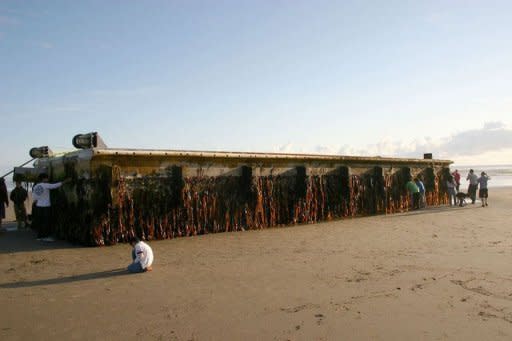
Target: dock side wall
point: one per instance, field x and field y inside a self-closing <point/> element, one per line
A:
<point x="114" y="197"/>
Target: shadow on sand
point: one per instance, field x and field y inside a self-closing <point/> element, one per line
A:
<point x="432" y="210"/>
<point x="68" y="279"/>
<point x="13" y="241"/>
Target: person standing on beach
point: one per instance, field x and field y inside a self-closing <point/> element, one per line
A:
<point x="473" y="185"/>
<point x="421" y="187"/>
<point x="4" y="199"/>
<point x="456" y="177"/>
<point x="452" y="194"/>
<point x="142" y="256"/>
<point x="414" y="193"/>
<point x="41" y="197"/>
<point x="18" y="197"/>
<point x="483" y="193"/>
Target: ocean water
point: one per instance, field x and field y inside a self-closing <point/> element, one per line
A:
<point x="500" y="175"/>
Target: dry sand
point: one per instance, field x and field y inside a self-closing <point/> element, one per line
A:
<point x="440" y="273"/>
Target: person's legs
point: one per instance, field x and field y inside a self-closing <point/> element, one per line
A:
<point x="416" y="197"/>
<point x="21" y="215"/>
<point x="34" y="218"/>
<point x="23" y="212"/>
<point x="2" y="213"/>
<point x="472" y="193"/>
<point x="43" y="222"/>
<point x="135" y="268"/>
<point x="17" y="215"/>
<point x="451" y="196"/>
<point x="46" y="222"/>
<point x="50" y="229"/>
<point x="39" y="222"/>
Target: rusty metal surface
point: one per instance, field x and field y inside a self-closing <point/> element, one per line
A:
<point x="262" y="156"/>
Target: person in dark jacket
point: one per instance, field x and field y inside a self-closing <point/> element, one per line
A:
<point x="18" y="197"/>
<point x="4" y="199"/>
<point x="473" y="185"/>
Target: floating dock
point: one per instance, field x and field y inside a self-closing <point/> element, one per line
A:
<point x="159" y="194"/>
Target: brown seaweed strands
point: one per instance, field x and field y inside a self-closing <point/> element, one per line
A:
<point x="163" y="206"/>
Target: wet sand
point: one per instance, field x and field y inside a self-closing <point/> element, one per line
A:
<point x="439" y="273"/>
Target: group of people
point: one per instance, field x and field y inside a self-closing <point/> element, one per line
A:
<point x="416" y="190"/>
<point x="454" y="193"/>
<point x="18" y="196"/>
<point x="41" y="206"/>
<point x="142" y="254"/>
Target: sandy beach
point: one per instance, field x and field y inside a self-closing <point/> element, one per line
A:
<point x="436" y="274"/>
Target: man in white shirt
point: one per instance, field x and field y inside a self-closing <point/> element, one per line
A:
<point x="43" y="206"/>
<point x="142" y="256"/>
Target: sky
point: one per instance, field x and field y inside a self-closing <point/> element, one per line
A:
<point x="388" y="78"/>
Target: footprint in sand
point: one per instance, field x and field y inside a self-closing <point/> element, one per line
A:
<point x="320" y="318"/>
<point x="299" y="308"/>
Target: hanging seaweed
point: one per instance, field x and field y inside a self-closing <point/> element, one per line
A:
<point x="111" y="207"/>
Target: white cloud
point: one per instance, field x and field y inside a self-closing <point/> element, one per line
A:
<point x="325" y="150"/>
<point x="289" y="148"/>
<point x="494" y="136"/>
<point x="494" y="125"/>
<point x="487" y="143"/>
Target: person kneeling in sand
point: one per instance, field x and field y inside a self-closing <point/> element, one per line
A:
<point x="142" y="256"/>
